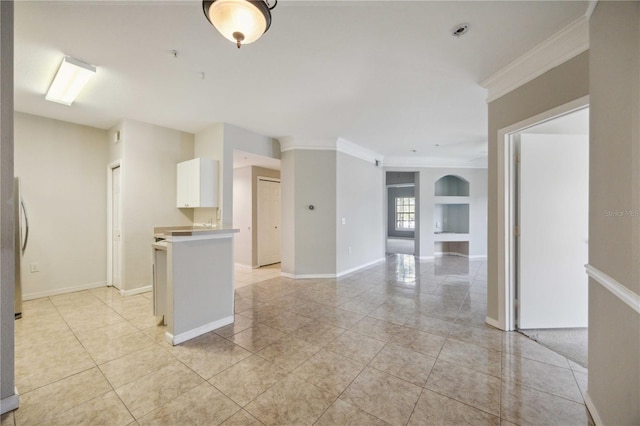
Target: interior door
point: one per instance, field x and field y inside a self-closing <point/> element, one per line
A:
<point x="116" y="220"/>
<point x="268" y="222"/>
<point x="553" y="221"/>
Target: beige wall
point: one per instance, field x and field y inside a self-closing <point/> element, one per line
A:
<point x="218" y="142"/>
<point x="288" y="212"/>
<point x="62" y="168"/>
<point x="563" y="84"/>
<point x="243" y="215"/>
<point x="309" y="236"/>
<point x="150" y="154"/>
<point x="614" y="240"/>
<point x="209" y="143"/>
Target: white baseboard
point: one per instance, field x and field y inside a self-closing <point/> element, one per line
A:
<point x="243" y="266"/>
<point x="198" y="331"/>
<point x="449" y="253"/>
<point x="358" y="268"/>
<point x="492" y="322"/>
<point x="135" y="291"/>
<point x="10" y="403"/>
<point x="337" y="275"/>
<point x="64" y="290"/>
<point x="427" y="258"/>
<point x="592" y="409"/>
<point x="478" y="257"/>
<point x="306" y="276"/>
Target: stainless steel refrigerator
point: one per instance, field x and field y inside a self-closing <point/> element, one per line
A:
<point x="21" y="239"/>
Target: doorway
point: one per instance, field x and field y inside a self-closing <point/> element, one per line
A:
<point x="268" y="212"/>
<point x="114" y="225"/>
<point x="402" y="213"/>
<point x="548" y="163"/>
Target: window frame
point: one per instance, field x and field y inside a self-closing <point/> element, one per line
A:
<point x="411" y="205"/>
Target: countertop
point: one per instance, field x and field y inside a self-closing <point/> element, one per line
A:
<point x="188" y="231"/>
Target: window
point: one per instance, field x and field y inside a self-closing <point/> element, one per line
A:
<point x="405" y="213"/>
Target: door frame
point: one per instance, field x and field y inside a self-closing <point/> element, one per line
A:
<point x="110" y="167"/>
<point x="267" y="179"/>
<point x="506" y="152"/>
<point x="385" y="214"/>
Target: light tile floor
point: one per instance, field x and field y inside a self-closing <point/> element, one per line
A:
<point x="398" y="343"/>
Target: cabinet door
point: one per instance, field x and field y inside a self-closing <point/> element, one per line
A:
<point x="197" y="183"/>
<point x="182" y="195"/>
<point x="193" y="183"/>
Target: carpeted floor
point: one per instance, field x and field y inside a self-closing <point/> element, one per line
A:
<point x="570" y="342"/>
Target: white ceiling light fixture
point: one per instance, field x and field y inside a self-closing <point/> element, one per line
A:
<point x="239" y="21"/>
<point x="71" y="77"/>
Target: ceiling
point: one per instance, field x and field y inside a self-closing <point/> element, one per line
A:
<point x="386" y="75"/>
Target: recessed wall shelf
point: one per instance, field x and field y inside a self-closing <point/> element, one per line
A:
<point x="451" y="216"/>
<point x="451" y="186"/>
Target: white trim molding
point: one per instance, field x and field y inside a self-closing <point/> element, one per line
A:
<point x="65" y="290"/>
<point x="306" y="276"/>
<point x="341" y="145"/>
<point x="357" y="151"/>
<point x="308" y="148"/>
<point x="360" y="267"/>
<point x="621" y="292"/>
<point x="10" y="403"/>
<point x="435" y="162"/>
<point x="567" y="43"/>
<point x="135" y="291"/>
<point x="198" y="331"/>
<point x="592" y="409"/>
<point x="492" y="322"/>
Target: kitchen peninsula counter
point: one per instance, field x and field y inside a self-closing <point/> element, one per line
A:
<point x="199" y="280"/>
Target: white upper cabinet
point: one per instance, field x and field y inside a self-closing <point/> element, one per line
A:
<point x="197" y="183"/>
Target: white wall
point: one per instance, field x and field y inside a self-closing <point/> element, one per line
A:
<point x="427" y="177"/>
<point x="63" y="176"/>
<point x="150" y="154"/>
<point x="360" y="201"/>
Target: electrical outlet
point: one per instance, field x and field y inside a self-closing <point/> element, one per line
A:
<point x="34" y="267"/>
<point x="349" y="249"/>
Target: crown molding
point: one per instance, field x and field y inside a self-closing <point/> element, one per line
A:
<point x="435" y="162"/>
<point x="557" y="49"/>
<point x="307" y="148"/>
<point x="341" y="145"/>
<point x="357" y="151"/>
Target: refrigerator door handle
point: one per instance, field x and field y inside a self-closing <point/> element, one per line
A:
<point x="26" y="225"/>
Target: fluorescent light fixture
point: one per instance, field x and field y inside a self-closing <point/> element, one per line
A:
<point x="69" y="81"/>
